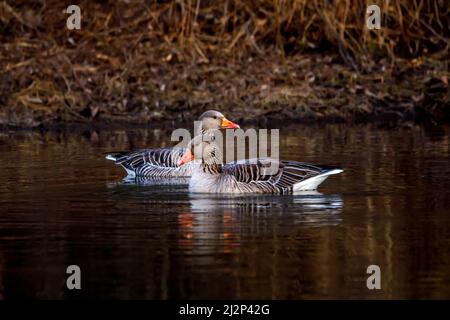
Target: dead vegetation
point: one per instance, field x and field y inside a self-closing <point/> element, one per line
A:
<point x="148" y="61"/>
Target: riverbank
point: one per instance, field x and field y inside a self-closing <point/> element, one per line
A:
<point x="133" y="65"/>
<point x="322" y="89"/>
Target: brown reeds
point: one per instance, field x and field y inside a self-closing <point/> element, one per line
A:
<point x="137" y="61"/>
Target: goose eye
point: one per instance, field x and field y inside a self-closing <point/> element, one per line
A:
<point x="215" y="117"/>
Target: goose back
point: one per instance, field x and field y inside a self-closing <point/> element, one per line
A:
<point x="153" y="162"/>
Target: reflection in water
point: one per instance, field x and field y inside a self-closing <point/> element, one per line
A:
<point x="62" y="203"/>
<point x="154" y="181"/>
<point x="216" y="221"/>
<point x="311" y="207"/>
<point x="141" y="181"/>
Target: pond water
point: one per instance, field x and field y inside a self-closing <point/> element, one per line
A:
<point x="62" y="203"/>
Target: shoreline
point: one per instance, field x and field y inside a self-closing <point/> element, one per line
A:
<point x="263" y="123"/>
<point x="322" y="90"/>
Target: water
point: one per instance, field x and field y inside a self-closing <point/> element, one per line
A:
<point x="61" y="203"/>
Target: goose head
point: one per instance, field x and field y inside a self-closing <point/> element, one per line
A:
<point x="203" y="148"/>
<point x="214" y="120"/>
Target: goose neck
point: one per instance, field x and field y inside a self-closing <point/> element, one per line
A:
<point x="214" y="169"/>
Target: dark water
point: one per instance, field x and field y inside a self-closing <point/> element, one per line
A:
<point x="61" y="203"/>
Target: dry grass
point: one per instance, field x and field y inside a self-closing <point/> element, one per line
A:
<point x="138" y="61"/>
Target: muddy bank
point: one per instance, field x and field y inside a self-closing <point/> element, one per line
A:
<point x="322" y="89"/>
<point x="157" y="65"/>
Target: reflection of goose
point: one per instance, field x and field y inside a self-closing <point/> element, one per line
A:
<point x="165" y="162"/>
<point x="310" y="208"/>
<point x="135" y="187"/>
<point x="259" y="175"/>
<point x="230" y="233"/>
<point x="144" y="181"/>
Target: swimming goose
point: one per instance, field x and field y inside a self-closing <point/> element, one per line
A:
<point x="164" y="162"/>
<point x="259" y="175"/>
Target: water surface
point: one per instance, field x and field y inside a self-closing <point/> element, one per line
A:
<point x="61" y="203"/>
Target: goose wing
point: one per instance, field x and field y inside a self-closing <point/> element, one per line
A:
<point x="266" y="174"/>
<point x="151" y="162"/>
<point x="165" y="157"/>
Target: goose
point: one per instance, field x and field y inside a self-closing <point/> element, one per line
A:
<point x="165" y="162"/>
<point x="258" y="175"/>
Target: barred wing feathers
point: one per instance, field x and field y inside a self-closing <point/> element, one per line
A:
<point x="153" y="162"/>
<point x="265" y="175"/>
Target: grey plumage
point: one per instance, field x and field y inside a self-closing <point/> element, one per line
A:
<point x="265" y="175"/>
<point x="153" y="162"/>
<point x="164" y="162"/>
<point x="259" y="175"/>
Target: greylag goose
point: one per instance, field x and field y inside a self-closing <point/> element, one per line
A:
<point x="164" y="162"/>
<point x="259" y="175"/>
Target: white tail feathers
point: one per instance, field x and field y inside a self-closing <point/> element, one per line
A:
<point x="314" y="182"/>
<point x="111" y="157"/>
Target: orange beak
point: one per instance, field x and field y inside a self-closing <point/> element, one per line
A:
<point x="187" y="157"/>
<point x="227" y="124"/>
